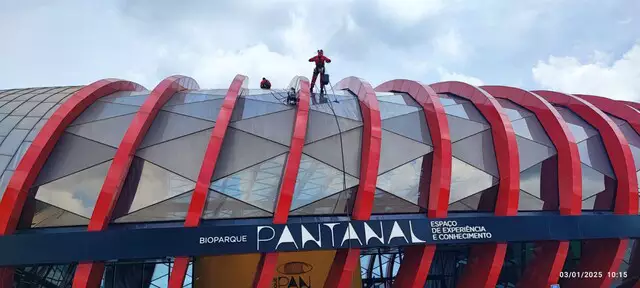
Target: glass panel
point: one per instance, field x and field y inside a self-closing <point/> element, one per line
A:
<point x="169" y="210"/>
<point x="390" y="110"/>
<point x="189" y="97"/>
<point x="41" y="109"/>
<point x="466" y="180"/>
<point x="108" y="131"/>
<point x="257" y="185"/>
<point x="16" y="158"/>
<point x="483" y="201"/>
<point x="593" y="153"/>
<point x="157" y="184"/>
<point x="448" y="99"/>
<point x="387" y="203"/>
<point x="167" y="126"/>
<point x="12" y="141"/>
<point x="398" y="98"/>
<point x="124" y="94"/>
<point x="4" y="162"/>
<point x="336" y="204"/>
<point x="412" y="125"/>
<point x="130" y="100"/>
<point x="51" y="111"/>
<point x="273" y="97"/>
<point x="478" y="151"/>
<point x="7" y="124"/>
<point x="616" y="120"/>
<point x="397" y="150"/>
<point x="514" y="111"/>
<point x="28" y="123"/>
<point x="103" y="110"/>
<point x="9" y="107"/>
<point x="345" y="108"/>
<point x="634" y="142"/>
<point x="531" y="129"/>
<point x="592" y="182"/>
<point x="460" y="128"/>
<point x="4" y="181"/>
<point x="76" y="193"/>
<point x="24" y="108"/>
<point x="322" y="125"/>
<point x="466" y="111"/>
<point x="527" y="202"/>
<point x="246" y="108"/>
<point x="277" y="127"/>
<point x="405" y="180"/>
<point x="207" y="110"/>
<point x="580" y="129"/>
<point x="219" y="206"/>
<point x="317" y="180"/>
<point x="34" y="132"/>
<point x="47" y="215"/>
<point x="531" y="153"/>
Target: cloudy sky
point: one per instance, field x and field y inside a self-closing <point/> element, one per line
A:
<point x="575" y="46"/>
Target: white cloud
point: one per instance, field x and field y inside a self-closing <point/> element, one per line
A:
<point x="453" y="76"/>
<point x="409" y="12"/>
<point x="450" y="45"/>
<point x="618" y="80"/>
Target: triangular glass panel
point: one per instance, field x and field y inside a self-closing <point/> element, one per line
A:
<point x="478" y="151"/>
<point x="322" y="125"/>
<point x="459" y="207"/>
<point x="580" y="129"/>
<point x="593" y="153"/>
<point x="277" y="127"/>
<point x="108" y="131"/>
<point x="128" y="100"/>
<point x="397" y="150"/>
<point x="531" y="129"/>
<point x="190" y="97"/>
<point x="246" y="109"/>
<point x="387" y="203"/>
<point x="592" y="182"/>
<point x="598" y="202"/>
<point x="220" y="206"/>
<point x="257" y="185"/>
<point x="528" y="202"/>
<point x="47" y="215"/>
<point x="412" y="125"/>
<point x="268" y="97"/>
<point x="76" y="193"/>
<point x="241" y="150"/>
<point x="467" y="180"/>
<point x="337" y="204"/>
<point x="617" y="120"/>
<point x="483" y="201"/>
<point x="182" y="156"/>
<point x="404" y="181"/>
<point x="123" y="94"/>
<point x="390" y="110"/>
<point x="460" y="128"/>
<point x="514" y="111"/>
<point x="317" y="180"/>
<point x="331" y="150"/>
<point x="207" y="110"/>
<point x="167" y="126"/>
<point x="103" y="110"/>
<point x="343" y="108"/>
<point x="397" y="98"/>
<point x="72" y="154"/>
<point x="531" y="181"/>
<point x="531" y="153"/>
<point x="466" y="111"/>
<point x="450" y="99"/>
<point x="634" y="142"/>
<point x="169" y="210"/>
<point x="155" y="185"/>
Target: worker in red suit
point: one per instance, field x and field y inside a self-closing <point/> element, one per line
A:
<point x="319" y="59"/>
<point x="265" y="84"/>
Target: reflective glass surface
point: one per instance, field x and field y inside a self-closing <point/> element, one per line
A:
<point x="9" y="107"/>
<point x="169" y="210"/>
<point x="28" y="123"/>
<point x="592" y="182"/>
<point x="18" y="156"/>
<point x="41" y="109"/>
<point x="580" y="129"/>
<point x="246" y="108"/>
<point x="102" y="110"/>
<point x="189" y="97"/>
<point x="531" y="152"/>
<point x="76" y="193"/>
<point x="51" y="111"/>
<point x="387" y="203"/>
<point x="4" y="181"/>
<point x="24" y="109"/>
<point x="397" y="150"/>
<point x="513" y="110"/>
<point x="466" y="180"/>
<point x="616" y="120"/>
<point x="530" y="180"/>
<point x="220" y="206"/>
<point x="272" y="97"/>
<point x="478" y="151"/>
<point x="12" y="141"/>
<point x="344" y="108"/>
<point x="527" y="202"/>
<point x="398" y="98"/>
<point x="336" y="204"/>
<point x="448" y="99"/>
<point x="404" y="181"/>
<point x="157" y="184"/>
<point x="7" y="124"/>
<point x="482" y="201"/>
<point x="531" y="129"/>
<point x="593" y="153"/>
<point x="47" y="215"/>
<point x="466" y="111"/>
<point x="413" y="125"/>
<point x="389" y="110"/>
<point x="317" y="180"/>
<point x="257" y="185"/>
<point x="207" y="110"/>
<point x="128" y="100"/>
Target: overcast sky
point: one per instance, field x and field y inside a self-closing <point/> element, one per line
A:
<point x="575" y="46"/>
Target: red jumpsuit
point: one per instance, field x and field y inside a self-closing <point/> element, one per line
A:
<point x="319" y="59"/>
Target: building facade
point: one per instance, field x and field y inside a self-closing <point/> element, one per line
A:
<point x="400" y="185"/>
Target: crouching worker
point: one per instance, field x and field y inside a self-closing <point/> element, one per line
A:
<point x="265" y="84"/>
<point x="292" y="97"/>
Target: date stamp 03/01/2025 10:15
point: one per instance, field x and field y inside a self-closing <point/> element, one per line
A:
<point x="591" y="274"/>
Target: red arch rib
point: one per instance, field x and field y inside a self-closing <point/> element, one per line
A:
<point x="90" y="274"/>
<point x="268" y="261"/>
<point x="604" y="255"/>
<point x="485" y="260"/>
<point x="37" y="154"/>
<point x="547" y="265"/>
<point x="417" y="259"/>
<point x="199" y="197"/>
<point x="346" y="260"/>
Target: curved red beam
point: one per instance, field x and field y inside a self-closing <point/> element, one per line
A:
<point x="417" y="259"/>
<point x="604" y="255"/>
<point x="547" y="264"/>
<point x="345" y="263"/>
<point x="268" y="261"/>
<point x="199" y="196"/>
<point x="485" y="260"/>
<point x="37" y="154"/>
<point x="90" y="274"/>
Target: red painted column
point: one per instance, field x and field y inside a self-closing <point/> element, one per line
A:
<point x="485" y="260"/>
<point x="545" y="268"/>
<point x="199" y="197"/>
<point x="346" y="261"/>
<point x="603" y="255"/>
<point x="415" y="266"/>
<point x="90" y="274"/>
<point x="267" y="265"/>
<point x="29" y="167"/>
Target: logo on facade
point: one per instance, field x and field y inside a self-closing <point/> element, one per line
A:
<point x="293" y="275"/>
